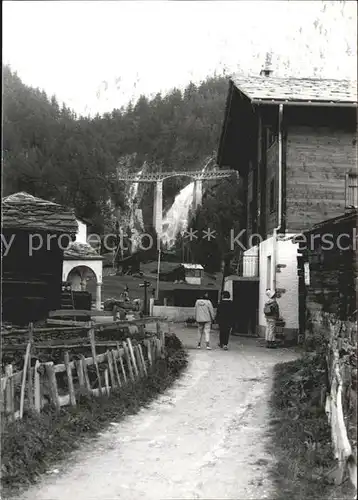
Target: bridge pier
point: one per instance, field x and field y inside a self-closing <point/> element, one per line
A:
<point x="158" y="208"/>
<point x="198" y="194"/>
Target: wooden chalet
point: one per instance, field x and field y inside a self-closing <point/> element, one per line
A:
<point x="294" y="143"/>
<point x="35" y="233"/>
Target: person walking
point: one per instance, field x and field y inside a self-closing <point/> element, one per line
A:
<point x="204" y="316"/>
<point x="225" y="319"/>
<point x="271" y="312"/>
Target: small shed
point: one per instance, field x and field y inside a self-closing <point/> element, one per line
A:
<point x="35" y="234"/>
<point x="81" y="263"/>
<point x="193" y="273"/>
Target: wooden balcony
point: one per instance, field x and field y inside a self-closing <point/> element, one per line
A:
<point x="248" y="266"/>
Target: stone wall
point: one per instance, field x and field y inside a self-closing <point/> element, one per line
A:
<point x="173" y="313"/>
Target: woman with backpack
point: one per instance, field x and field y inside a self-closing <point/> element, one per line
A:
<point x="271" y="312"/>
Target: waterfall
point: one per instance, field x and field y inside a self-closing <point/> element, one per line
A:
<point x="175" y="220"/>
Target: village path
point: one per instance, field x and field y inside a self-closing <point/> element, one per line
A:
<point x="204" y="438"/>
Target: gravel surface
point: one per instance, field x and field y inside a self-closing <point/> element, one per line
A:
<point x="204" y="438"/>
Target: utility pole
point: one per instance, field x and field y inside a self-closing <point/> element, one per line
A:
<point x="145" y="285"/>
<point x="158" y="273"/>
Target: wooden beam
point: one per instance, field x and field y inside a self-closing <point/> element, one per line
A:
<point x="37" y="387"/>
<point x="85" y="372"/>
<point x="93" y="349"/>
<point x="129" y="361"/>
<point x="51" y="376"/>
<point x="9" y="393"/>
<point x="71" y="388"/>
<point x="121" y="352"/>
<point x="23" y="383"/>
<point x="130" y="347"/>
<point x="142" y="359"/>
<point x="111" y="369"/>
<point x="119" y="383"/>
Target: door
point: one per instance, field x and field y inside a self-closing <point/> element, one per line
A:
<point x="246" y="302"/>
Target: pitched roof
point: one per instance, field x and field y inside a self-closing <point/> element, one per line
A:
<point x="81" y="251"/>
<point x="349" y="218"/>
<point x="192" y="266"/>
<point x="297" y="90"/>
<point x="24" y="211"/>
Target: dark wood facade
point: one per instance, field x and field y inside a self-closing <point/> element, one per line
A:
<point x="319" y="150"/>
<point x="36" y="233"/>
<point x="331" y="270"/>
<point x="31" y="284"/>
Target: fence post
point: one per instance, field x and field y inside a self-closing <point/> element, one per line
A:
<point x="106" y="381"/>
<point x="24" y="376"/>
<point x="80" y="375"/>
<point x="129" y="342"/>
<point x="116" y="367"/>
<point x="122" y="365"/>
<point x="142" y="359"/>
<point x="110" y="367"/>
<point x="71" y="388"/>
<point x="91" y="336"/>
<point x="149" y="355"/>
<point x="138" y="360"/>
<point x="129" y="361"/>
<point x="30" y="386"/>
<point x="85" y="373"/>
<point x="37" y="387"/>
<point x="9" y="393"/>
<point x="51" y="375"/>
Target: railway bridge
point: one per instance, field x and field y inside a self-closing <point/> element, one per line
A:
<point x="158" y="177"/>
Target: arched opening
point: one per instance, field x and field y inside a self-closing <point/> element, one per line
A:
<point x="79" y="276"/>
<point x="85" y="277"/>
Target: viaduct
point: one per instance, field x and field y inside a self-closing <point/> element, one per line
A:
<point x="159" y="177"/>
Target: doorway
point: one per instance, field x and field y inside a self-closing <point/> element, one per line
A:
<point x="246" y="301"/>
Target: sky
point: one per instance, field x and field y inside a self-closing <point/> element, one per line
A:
<point x="96" y="56"/>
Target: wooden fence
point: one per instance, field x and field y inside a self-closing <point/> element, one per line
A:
<point x="38" y="384"/>
<point x="342" y="397"/>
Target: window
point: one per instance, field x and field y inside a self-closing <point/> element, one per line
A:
<point x="268" y="272"/>
<point x="272" y="196"/>
<point x="351" y="190"/>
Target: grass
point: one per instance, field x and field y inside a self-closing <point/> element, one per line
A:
<point x="300" y="433"/>
<point x="113" y="286"/>
<point x="30" y="446"/>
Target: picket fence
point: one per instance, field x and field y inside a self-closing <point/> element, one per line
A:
<point x="35" y="386"/>
<point x="339" y="374"/>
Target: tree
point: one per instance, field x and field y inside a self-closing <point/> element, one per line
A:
<point x="221" y="212"/>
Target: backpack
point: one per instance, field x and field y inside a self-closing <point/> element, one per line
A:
<point x="269" y="309"/>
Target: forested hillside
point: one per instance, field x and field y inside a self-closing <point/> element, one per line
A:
<point x="50" y="152"/>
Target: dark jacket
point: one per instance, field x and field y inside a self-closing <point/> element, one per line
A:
<point x="225" y="313"/>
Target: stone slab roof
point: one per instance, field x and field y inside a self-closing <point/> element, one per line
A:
<point x="24" y="211"/>
<point x="297" y="90"/>
<point x="81" y="251"/>
<point x="350" y="218"/>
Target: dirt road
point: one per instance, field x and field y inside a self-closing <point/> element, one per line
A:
<point x="204" y="438"/>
